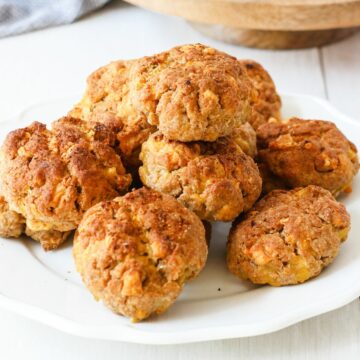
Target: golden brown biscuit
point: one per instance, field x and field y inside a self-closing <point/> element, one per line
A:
<point x="308" y="152"/>
<point x="191" y="92"/>
<point x="51" y="177"/>
<point x="265" y="101"/>
<point x="107" y="100"/>
<point x="245" y="137"/>
<point x="12" y="224"/>
<point x="136" y="252"/>
<point x="215" y="180"/>
<point x="288" y="237"/>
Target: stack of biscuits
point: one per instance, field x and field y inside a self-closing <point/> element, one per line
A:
<point x="198" y="137"/>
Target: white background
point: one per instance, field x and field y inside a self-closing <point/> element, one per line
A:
<point x="54" y="63"/>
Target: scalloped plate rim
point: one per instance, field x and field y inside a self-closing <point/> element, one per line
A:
<point x="134" y="335"/>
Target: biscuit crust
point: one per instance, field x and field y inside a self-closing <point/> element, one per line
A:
<point x="245" y="137"/>
<point x="12" y="224"/>
<point x="136" y="252"/>
<point x="190" y="92"/>
<point x="270" y="181"/>
<point x="107" y="100"/>
<point x="288" y="237"/>
<point x="215" y="180"/>
<point x="308" y="152"/>
<point x="265" y="102"/>
<point x="51" y="177"/>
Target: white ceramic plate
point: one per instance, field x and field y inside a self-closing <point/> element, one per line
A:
<point x="45" y="287"/>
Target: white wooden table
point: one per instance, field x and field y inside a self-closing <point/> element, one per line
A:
<point x="54" y="63"/>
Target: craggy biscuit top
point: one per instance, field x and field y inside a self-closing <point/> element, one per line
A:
<point x="191" y="92"/>
<point x="106" y="100"/>
<point x="265" y="102"/>
<point x="304" y="152"/>
<point x="288" y="237"/>
<point x="216" y="180"/>
<point x="52" y="176"/>
<point x="106" y="88"/>
<point x="135" y="252"/>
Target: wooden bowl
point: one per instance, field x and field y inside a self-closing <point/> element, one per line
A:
<point x="280" y="24"/>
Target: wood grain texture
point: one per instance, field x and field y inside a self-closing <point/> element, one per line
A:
<point x="263" y="14"/>
<point x="273" y="39"/>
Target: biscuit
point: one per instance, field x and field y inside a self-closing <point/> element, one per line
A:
<point x="12" y="224"/>
<point x="308" y="152"/>
<point x="265" y="102"/>
<point x="51" y="177"/>
<point x="190" y="93"/>
<point x="107" y="100"/>
<point x="215" y="180"/>
<point x="288" y="237"/>
<point x="136" y="252"/>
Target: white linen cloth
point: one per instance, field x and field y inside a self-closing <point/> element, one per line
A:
<point x="18" y="16"/>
